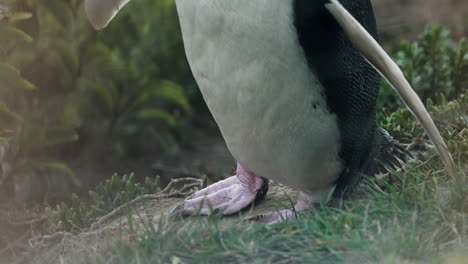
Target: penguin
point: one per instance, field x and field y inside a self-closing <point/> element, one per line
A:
<point x="292" y="85"/>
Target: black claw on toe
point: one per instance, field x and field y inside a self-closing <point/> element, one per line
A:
<point x="263" y="191"/>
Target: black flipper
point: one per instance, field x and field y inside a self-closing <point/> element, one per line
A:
<point x="351" y="86"/>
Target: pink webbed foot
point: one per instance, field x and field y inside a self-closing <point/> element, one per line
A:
<point x="228" y="196"/>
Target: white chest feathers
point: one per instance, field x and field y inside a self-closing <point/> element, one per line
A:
<point x="254" y="76"/>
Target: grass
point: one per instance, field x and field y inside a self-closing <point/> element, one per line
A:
<point x="407" y="220"/>
<point x="417" y="215"/>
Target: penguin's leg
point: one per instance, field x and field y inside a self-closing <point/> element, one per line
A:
<point x="227" y="196"/>
<point x="305" y="204"/>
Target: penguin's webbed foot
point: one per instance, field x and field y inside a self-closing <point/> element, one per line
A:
<point x="228" y="196"/>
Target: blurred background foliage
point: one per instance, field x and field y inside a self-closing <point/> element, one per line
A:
<point x="142" y="97"/>
<point x="69" y="93"/>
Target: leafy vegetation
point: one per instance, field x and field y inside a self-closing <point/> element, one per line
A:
<point x="450" y="115"/>
<point x="65" y="87"/>
<point x="143" y="97"/>
<point x="434" y="65"/>
<point x="107" y="196"/>
<point x="35" y="113"/>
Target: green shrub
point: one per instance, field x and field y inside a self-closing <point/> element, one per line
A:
<point x="451" y="118"/>
<point x="434" y="64"/>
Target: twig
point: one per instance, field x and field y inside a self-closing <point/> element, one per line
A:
<point x="192" y="184"/>
<point x="179" y="180"/>
<point x="28" y="222"/>
<point x="424" y="163"/>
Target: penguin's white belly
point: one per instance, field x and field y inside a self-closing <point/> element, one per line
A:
<point x="254" y="76"/>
